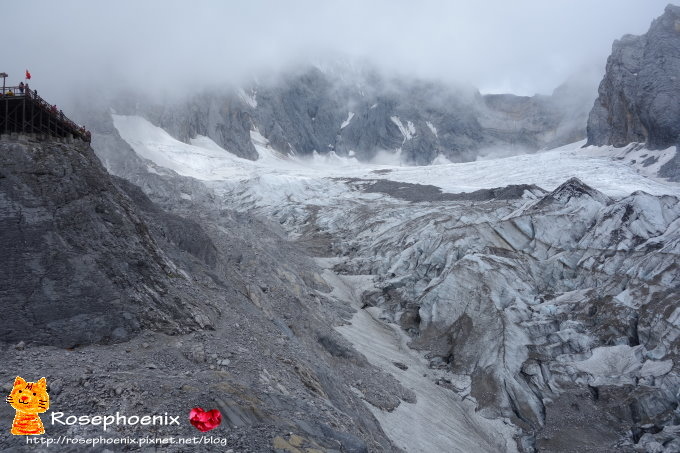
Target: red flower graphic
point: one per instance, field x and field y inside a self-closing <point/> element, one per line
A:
<point x="205" y="421"/>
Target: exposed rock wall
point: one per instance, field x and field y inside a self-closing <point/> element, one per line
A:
<point x="639" y="97"/>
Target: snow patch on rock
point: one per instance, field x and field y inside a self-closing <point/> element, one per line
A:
<point x="407" y="131"/>
<point x="345" y="123"/>
<point x="432" y="128"/>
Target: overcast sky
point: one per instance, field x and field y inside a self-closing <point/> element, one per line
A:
<point x="521" y="46"/>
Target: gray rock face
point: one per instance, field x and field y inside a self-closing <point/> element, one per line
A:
<point x="639" y="97"/>
<point x="81" y="266"/>
<point x="363" y="115"/>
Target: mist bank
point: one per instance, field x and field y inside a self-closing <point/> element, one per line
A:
<point x="356" y="111"/>
<point x="524" y="47"/>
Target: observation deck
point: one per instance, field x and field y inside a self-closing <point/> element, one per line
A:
<point x="23" y="111"/>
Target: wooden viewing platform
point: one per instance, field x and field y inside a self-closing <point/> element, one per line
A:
<point x="23" y="111"/>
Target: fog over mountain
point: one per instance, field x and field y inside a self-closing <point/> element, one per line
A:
<point x="522" y="47"/>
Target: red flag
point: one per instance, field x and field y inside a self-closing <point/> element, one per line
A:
<point x="28" y="75"/>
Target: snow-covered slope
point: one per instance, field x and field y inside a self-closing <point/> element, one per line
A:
<point x="600" y="167"/>
<point x="550" y="303"/>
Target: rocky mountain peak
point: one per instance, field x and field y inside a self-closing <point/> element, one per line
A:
<point x="570" y="190"/>
<point x="639" y="97"/>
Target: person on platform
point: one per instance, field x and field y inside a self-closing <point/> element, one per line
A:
<point x="21" y="88"/>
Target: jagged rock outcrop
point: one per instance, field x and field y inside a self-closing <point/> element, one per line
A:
<point x="639" y="97"/>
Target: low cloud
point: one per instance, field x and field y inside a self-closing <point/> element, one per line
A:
<point x="525" y="46"/>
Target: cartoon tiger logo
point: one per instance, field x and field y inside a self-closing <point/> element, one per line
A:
<point x="29" y="399"/>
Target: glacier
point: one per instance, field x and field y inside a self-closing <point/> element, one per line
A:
<point x="518" y="292"/>
<point x="600" y="167"/>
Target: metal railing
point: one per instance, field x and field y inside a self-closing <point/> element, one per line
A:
<point x="38" y="110"/>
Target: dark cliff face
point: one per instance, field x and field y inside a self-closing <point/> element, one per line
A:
<point x="639" y="97"/>
<point x="79" y="263"/>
